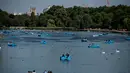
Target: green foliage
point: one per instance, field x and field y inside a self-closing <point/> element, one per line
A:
<point x="114" y="17"/>
<point x="51" y="23"/>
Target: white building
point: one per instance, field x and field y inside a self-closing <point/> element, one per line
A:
<point x="17" y="13"/>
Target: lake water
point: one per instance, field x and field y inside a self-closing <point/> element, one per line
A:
<point x="30" y="54"/>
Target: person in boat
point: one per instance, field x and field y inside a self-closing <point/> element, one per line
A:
<point x="9" y="42"/>
<point x="29" y="71"/>
<point x="67" y="55"/>
<point x="92" y="43"/>
<point x="39" y="35"/>
<point x="34" y="71"/>
<point x="45" y="71"/>
<point x="49" y="71"/>
<point x="62" y="56"/>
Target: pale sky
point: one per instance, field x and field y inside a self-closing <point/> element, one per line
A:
<point x="23" y="5"/>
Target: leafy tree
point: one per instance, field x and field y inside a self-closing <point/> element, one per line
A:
<point x="127" y="23"/>
<point x="11" y="16"/>
<point x="51" y="23"/>
<point x="116" y="17"/>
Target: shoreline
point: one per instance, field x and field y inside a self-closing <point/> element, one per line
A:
<point x="51" y="29"/>
<point x="106" y="30"/>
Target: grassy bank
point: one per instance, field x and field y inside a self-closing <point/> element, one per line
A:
<point x="67" y="29"/>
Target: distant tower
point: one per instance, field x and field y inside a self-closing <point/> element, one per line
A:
<point x="85" y="5"/>
<point x="108" y="4"/>
<point x="33" y="9"/>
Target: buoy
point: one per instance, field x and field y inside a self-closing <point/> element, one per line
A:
<point x="0" y="48"/>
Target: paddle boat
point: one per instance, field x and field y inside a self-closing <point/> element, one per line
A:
<point x="84" y="40"/>
<point x="69" y="33"/>
<point x="43" y="42"/>
<point x="93" y="46"/>
<point x="109" y="42"/>
<point x="6" y="32"/>
<point x="128" y="38"/>
<point x="95" y="35"/>
<point x="100" y="34"/>
<point x="39" y="35"/>
<point x="11" y="44"/>
<point x="65" y="58"/>
<point x="105" y="33"/>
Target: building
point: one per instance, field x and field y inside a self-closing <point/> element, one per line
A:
<point x="17" y="13"/>
<point x="33" y="9"/>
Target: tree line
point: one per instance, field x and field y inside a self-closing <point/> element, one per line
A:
<point x="114" y="17"/>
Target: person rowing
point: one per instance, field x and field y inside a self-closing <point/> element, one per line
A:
<point x="62" y="57"/>
<point x="67" y="55"/>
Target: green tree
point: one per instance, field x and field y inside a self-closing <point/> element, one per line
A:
<point x="33" y="19"/>
<point x="127" y="23"/>
<point x="87" y="21"/>
<point x="51" y="23"/>
<point x="11" y="16"/>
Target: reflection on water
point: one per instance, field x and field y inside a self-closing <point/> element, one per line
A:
<point x="30" y="54"/>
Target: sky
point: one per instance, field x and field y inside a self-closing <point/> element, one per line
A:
<point x="22" y="6"/>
